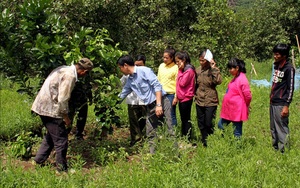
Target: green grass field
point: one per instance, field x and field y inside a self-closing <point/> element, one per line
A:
<point x="109" y="162"/>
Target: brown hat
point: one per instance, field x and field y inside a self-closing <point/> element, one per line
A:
<point x="86" y="64"/>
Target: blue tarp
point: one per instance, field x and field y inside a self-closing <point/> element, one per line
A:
<point x="265" y="83"/>
<point x="297" y="80"/>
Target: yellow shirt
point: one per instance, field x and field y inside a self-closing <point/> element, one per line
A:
<point x="167" y="75"/>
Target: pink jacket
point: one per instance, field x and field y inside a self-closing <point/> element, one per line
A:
<point x="185" y="85"/>
<point x="236" y="101"/>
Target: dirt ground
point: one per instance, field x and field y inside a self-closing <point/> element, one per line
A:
<point x="119" y="138"/>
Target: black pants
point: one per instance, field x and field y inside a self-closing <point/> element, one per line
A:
<point x="185" y="116"/>
<point x="81" y="116"/>
<point x="56" y="137"/>
<point x="137" y="120"/>
<point x="205" y="118"/>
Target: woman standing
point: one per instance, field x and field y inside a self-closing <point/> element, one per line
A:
<point x="206" y="97"/>
<point x="185" y="87"/>
<point x="236" y="101"/>
<point x="167" y="74"/>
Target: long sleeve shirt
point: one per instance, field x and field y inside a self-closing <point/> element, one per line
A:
<point x="207" y="81"/>
<point x="132" y="98"/>
<point x="144" y="83"/>
<point x="52" y="99"/>
<point x="167" y="75"/>
<point x="185" y="85"/>
<point x="236" y="101"/>
<point x="283" y="84"/>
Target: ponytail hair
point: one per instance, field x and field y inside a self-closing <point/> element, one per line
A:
<point x="171" y="51"/>
<point x="184" y="56"/>
<point x="235" y="62"/>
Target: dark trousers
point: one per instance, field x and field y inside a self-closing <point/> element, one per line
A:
<point x="56" y="137"/>
<point x="185" y="116"/>
<point x="137" y="120"/>
<point x="81" y="117"/>
<point x="205" y="119"/>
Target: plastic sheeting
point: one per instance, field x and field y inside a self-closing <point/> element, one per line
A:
<point x="263" y="83"/>
<point x="266" y="83"/>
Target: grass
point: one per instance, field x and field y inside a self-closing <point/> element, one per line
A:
<point x="226" y="162"/>
<point x="15" y="111"/>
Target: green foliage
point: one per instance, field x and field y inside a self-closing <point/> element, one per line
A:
<point x="217" y="30"/>
<point x="38" y="35"/>
<point x="77" y="162"/>
<point x="106" y="105"/>
<point x="226" y="162"/>
<point x="39" y="42"/>
<point x="22" y="147"/>
<point x="15" y="111"/>
<point x="34" y="44"/>
<point x="146" y="27"/>
<point x="289" y="17"/>
<point x="262" y="35"/>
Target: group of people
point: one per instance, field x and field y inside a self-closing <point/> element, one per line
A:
<point x="152" y="99"/>
<point x="179" y="82"/>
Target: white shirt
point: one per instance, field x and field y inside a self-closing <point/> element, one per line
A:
<point x="52" y="99"/>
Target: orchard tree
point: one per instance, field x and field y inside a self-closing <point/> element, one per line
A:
<point x="288" y="12"/>
<point x="263" y="29"/>
<point x="216" y="29"/>
<point x="37" y="41"/>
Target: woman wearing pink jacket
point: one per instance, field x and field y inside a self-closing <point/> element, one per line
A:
<point x="236" y="101"/>
<point x="185" y="88"/>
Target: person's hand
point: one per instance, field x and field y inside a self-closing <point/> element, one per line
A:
<point x="159" y="111"/>
<point x="119" y="101"/>
<point x="181" y="66"/>
<point x="175" y="101"/>
<point x="212" y="63"/>
<point x="67" y="121"/>
<point x="285" y="111"/>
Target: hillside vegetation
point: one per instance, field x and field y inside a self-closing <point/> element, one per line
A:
<point x="110" y="162"/>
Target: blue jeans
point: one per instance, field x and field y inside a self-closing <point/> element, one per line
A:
<point x="173" y="109"/>
<point x="238" y="126"/>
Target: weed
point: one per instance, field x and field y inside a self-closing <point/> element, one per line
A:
<point x="23" y="145"/>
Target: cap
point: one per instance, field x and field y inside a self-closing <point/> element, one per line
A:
<point x="86" y="64"/>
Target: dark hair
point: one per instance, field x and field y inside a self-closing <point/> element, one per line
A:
<point x="182" y="55"/>
<point x="203" y="54"/>
<point x="282" y="49"/>
<point x="171" y="51"/>
<point x="235" y="62"/>
<point x="141" y="58"/>
<point x="125" y="59"/>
